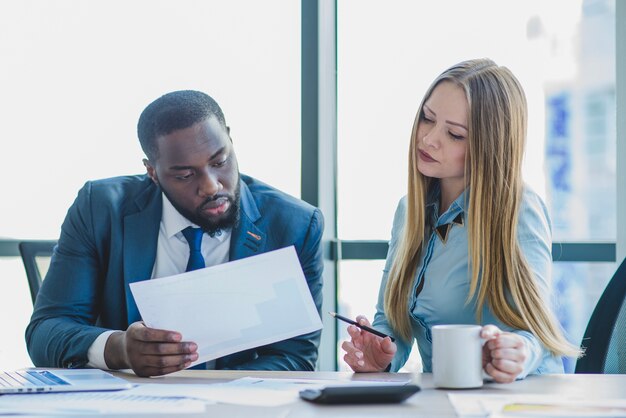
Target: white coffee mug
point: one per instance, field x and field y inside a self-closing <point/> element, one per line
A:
<point x="457" y="356"/>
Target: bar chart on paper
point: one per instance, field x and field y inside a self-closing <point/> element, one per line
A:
<point x="233" y="306"/>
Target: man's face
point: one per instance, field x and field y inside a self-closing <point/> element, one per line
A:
<point x="197" y="170"/>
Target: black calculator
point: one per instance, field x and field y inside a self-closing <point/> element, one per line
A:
<point x="360" y="394"/>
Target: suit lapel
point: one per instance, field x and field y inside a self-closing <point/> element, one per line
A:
<point x="141" y="235"/>
<point x="247" y="239"/>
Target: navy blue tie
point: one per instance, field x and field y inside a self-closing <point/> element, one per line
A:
<point x="196" y="261"/>
<point x="194" y="238"/>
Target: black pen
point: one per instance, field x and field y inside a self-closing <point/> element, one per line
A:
<point x="363" y="327"/>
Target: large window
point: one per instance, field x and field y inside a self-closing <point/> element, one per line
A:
<point x="76" y="75"/>
<point x="563" y="53"/>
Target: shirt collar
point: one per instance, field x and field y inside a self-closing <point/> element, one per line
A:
<point x="173" y="222"/>
<point x="432" y="205"/>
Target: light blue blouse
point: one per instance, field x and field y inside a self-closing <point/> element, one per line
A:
<point x="445" y="273"/>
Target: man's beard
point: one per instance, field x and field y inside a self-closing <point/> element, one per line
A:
<point x="213" y="227"/>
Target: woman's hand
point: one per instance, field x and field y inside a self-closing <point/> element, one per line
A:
<point x="366" y="352"/>
<point x="503" y="354"/>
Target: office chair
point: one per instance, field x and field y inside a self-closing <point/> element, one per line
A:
<point x="36" y="257"/>
<point x="605" y="337"/>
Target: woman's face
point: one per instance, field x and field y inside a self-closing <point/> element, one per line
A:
<point x="442" y="135"/>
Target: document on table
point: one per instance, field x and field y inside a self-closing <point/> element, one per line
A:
<point x="87" y="403"/>
<point x="522" y="405"/>
<point x="235" y="392"/>
<point x="234" y="306"/>
<point x="250" y="391"/>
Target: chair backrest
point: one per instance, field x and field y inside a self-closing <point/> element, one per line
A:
<point x="36" y="257"/>
<point x="605" y="337"/>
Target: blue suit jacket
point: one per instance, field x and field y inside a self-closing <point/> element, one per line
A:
<point x="109" y="239"/>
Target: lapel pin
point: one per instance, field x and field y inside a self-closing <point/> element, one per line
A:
<point x="255" y="236"/>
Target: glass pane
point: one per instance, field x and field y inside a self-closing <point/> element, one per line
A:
<point x="580" y="131"/>
<point x="357" y="294"/>
<point x="562" y="51"/>
<point x="76" y="75"/>
<point x="43" y="264"/>
<point x="579" y="286"/>
<point x="16" y="310"/>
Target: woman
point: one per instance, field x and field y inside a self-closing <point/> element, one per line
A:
<point x="470" y="243"/>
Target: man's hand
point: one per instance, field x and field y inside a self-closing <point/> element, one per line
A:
<point x="149" y="351"/>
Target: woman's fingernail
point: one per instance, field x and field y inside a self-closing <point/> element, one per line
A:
<point x="360" y="363"/>
<point x="358" y="354"/>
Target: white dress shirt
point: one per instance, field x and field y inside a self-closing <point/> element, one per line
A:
<point x="171" y="258"/>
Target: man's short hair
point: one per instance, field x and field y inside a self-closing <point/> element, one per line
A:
<point x="171" y="112"/>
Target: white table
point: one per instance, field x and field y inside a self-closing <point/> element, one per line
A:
<point x="429" y="402"/>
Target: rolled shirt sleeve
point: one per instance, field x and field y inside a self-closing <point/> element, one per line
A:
<point x="534" y="234"/>
<point x="95" y="354"/>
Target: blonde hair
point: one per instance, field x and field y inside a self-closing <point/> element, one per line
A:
<point x="496" y="137"/>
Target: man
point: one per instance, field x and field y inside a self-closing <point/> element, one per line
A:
<point x="132" y="228"/>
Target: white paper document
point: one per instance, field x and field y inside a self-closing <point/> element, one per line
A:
<point x="250" y="391"/>
<point x="87" y="403"/>
<point x="234" y="306"/>
<point x="253" y="391"/>
<point x="195" y="391"/>
<point x="531" y="405"/>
